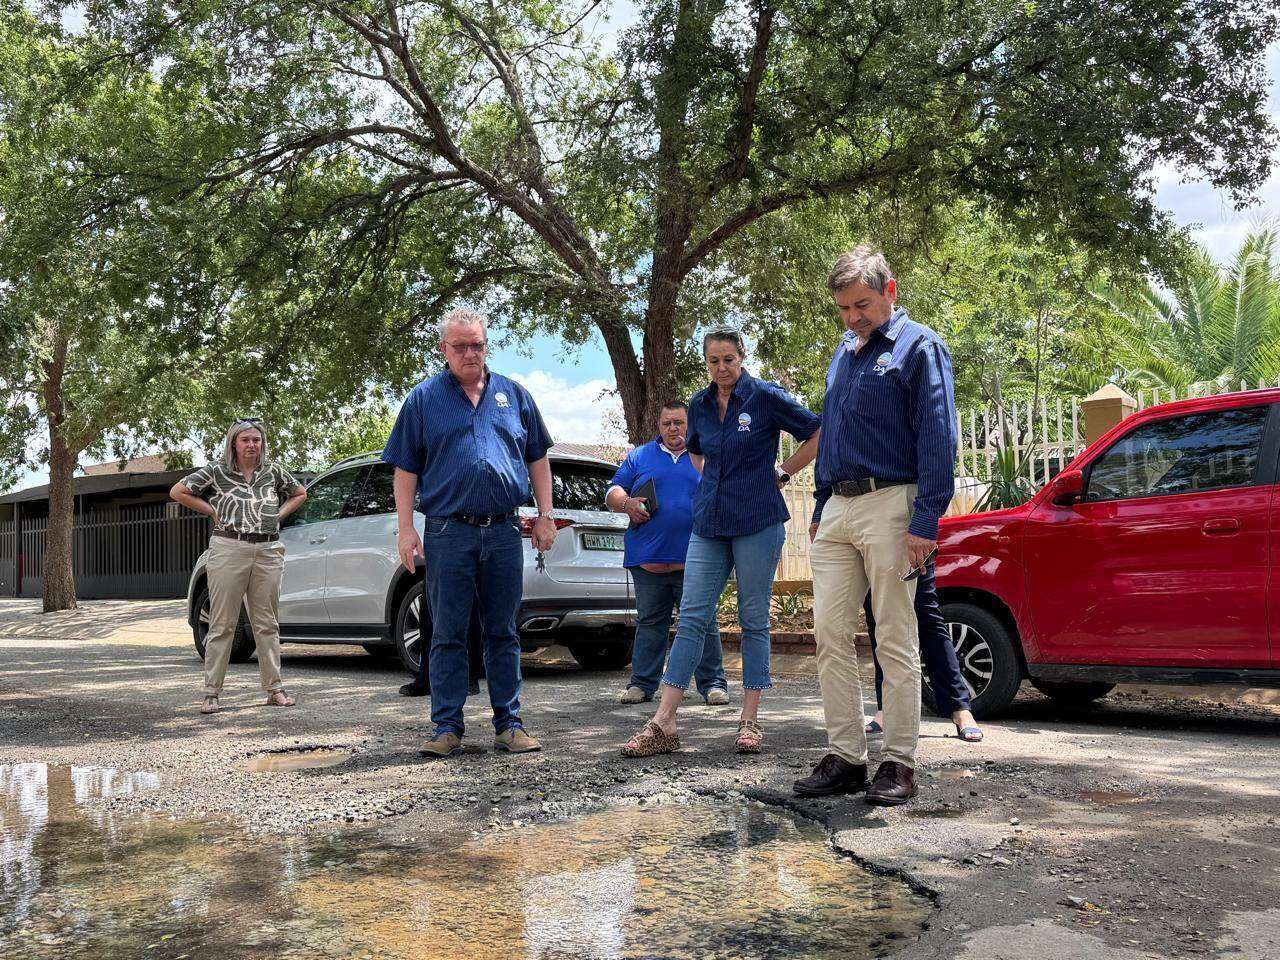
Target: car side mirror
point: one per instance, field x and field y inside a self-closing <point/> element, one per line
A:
<point x="1067" y="488"/>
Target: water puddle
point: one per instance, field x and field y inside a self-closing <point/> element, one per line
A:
<point x="936" y="813"/>
<point x="1109" y="798"/>
<point x="954" y="773"/>
<point x="705" y="881"/>
<point x="283" y="761"/>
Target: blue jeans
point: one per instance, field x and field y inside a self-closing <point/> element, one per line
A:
<point x="710" y="560"/>
<point x="467" y="565"/>
<point x="657" y="596"/>
<point x="937" y="654"/>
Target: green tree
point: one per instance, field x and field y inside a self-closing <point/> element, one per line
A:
<point x="1217" y="326"/>
<point x="134" y="311"/>
<point x="586" y="192"/>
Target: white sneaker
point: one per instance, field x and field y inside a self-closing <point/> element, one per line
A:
<point x="634" y="695"/>
<point x="716" y="697"/>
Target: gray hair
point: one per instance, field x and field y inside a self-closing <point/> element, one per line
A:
<point x="864" y="263"/>
<point x="727" y="334"/>
<point x="229" y="458"/>
<point x="463" y="317"/>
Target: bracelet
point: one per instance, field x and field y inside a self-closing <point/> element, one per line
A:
<point x="549" y="514"/>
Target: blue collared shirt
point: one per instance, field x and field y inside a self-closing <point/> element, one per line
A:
<point x="739" y="492"/>
<point x="890" y="413"/>
<point x="469" y="459"/>
<point x="664" y="537"/>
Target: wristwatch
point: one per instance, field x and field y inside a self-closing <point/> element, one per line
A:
<point x="549" y="514"/>
<point x="783" y="477"/>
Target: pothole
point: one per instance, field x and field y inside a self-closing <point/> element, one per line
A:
<point x="1109" y="798"/>
<point x="299" y="758"/>
<point x="731" y="879"/>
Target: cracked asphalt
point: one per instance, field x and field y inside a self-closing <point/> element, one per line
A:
<point x="1145" y="827"/>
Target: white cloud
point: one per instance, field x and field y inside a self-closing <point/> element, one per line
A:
<point x="576" y="412"/>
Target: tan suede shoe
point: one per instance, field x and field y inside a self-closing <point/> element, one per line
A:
<point x="515" y="740"/>
<point x="447" y="744"/>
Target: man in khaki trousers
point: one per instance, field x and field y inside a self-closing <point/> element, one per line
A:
<point x="247" y="496"/>
<point x="884" y="477"/>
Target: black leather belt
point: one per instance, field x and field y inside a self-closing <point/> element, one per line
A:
<point x="477" y="520"/>
<point x="247" y="537"/>
<point x="856" y="488"/>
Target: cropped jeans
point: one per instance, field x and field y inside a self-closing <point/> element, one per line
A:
<point x="754" y="560"/>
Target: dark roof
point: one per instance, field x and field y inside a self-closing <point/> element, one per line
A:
<point x="117" y="482"/>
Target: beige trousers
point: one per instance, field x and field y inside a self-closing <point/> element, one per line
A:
<point x="861" y="545"/>
<point x="249" y="573"/>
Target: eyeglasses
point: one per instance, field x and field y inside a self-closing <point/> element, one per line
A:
<point x="255" y="421"/>
<point x="465" y="348"/>
<point x="915" y="572"/>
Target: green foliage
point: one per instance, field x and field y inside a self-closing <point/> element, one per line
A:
<point x="1008" y="485"/>
<point x="498" y="153"/>
<point x="1215" y="326"/>
<point x="365" y="430"/>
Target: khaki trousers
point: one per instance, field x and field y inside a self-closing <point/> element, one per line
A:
<point x="861" y="545"/>
<point x="249" y="573"/>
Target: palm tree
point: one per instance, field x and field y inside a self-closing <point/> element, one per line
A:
<point x="1216" y="327"/>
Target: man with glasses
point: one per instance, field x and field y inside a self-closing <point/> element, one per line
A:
<point x="884" y="477"/>
<point x="469" y="442"/>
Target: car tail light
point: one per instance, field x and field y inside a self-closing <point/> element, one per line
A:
<point x="526" y="525"/>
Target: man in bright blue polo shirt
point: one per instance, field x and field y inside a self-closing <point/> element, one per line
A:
<point x="884" y="478"/>
<point x="469" y="442"/>
<point x="655" y="548"/>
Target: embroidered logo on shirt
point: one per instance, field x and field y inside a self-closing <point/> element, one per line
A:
<point x="882" y="363"/>
<point x="501" y="399"/>
<point x="744" y="423"/>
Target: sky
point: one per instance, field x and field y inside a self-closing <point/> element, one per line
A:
<point x="572" y="386"/>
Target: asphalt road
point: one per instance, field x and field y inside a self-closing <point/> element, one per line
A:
<point x="1145" y="827"/>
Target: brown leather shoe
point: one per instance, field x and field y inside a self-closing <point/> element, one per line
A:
<point x="832" y="775"/>
<point x="445" y="743"/>
<point x="895" y="783"/>
<point x="515" y="740"/>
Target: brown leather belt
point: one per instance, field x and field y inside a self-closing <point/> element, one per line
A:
<point x="247" y="537"/>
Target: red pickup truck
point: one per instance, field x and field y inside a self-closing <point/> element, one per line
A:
<point x="1147" y="560"/>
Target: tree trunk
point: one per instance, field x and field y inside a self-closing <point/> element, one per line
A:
<point x="626" y="374"/>
<point x="59" y="574"/>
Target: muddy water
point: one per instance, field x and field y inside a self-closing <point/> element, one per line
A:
<point x="287" y="760"/>
<point x="705" y="881"/>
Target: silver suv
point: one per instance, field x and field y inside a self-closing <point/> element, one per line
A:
<point x="344" y="583"/>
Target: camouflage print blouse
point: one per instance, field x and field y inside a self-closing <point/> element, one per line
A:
<point x="252" y="507"/>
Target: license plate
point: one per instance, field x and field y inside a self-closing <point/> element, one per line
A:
<point x="601" y="541"/>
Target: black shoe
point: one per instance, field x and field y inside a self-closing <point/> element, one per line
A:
<point x="414" y="690"/>
<point x="473" y="688"/>
<point x="895" y="783"/>
<point x="832" y="775"/>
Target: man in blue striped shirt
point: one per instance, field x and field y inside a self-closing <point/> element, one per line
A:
<point x="884" y="477"/>
<point x="469" y="442"/>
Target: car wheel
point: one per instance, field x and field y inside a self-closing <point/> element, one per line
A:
<point x="987" y="658"/>
<point x="413" y="629"/>
<point x="1073" y="694"/>
<point x="242" y="647"/>
<point x="602" y="656"/>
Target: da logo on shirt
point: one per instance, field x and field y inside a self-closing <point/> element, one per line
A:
<point x="744" y="423"/>
<point x="882" y="363"/>
<point x="501" y="399"/>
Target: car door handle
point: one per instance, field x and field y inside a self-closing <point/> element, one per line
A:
<point x="1222" y="527"/>
<point x="319" y="539"/>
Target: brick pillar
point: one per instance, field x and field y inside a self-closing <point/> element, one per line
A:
<point x="1103" y="409"/>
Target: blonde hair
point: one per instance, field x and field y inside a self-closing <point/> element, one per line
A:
<point x="229" y="458"/>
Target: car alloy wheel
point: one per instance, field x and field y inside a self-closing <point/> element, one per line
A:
<point x="973" y="653"/>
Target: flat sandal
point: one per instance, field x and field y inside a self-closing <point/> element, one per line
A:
<point x="650" y="742"/>
<point x="750" y="737"/>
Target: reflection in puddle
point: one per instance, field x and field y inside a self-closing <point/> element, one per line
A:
<point x="286" y="760"/>
<point x="1109" y="798"/>
<point x="953" y="773"/>
<point x="681" y="881"/>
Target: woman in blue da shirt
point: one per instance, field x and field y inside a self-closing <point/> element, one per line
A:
<point x="738" y="518"/>
<point x="656" y="544"/>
